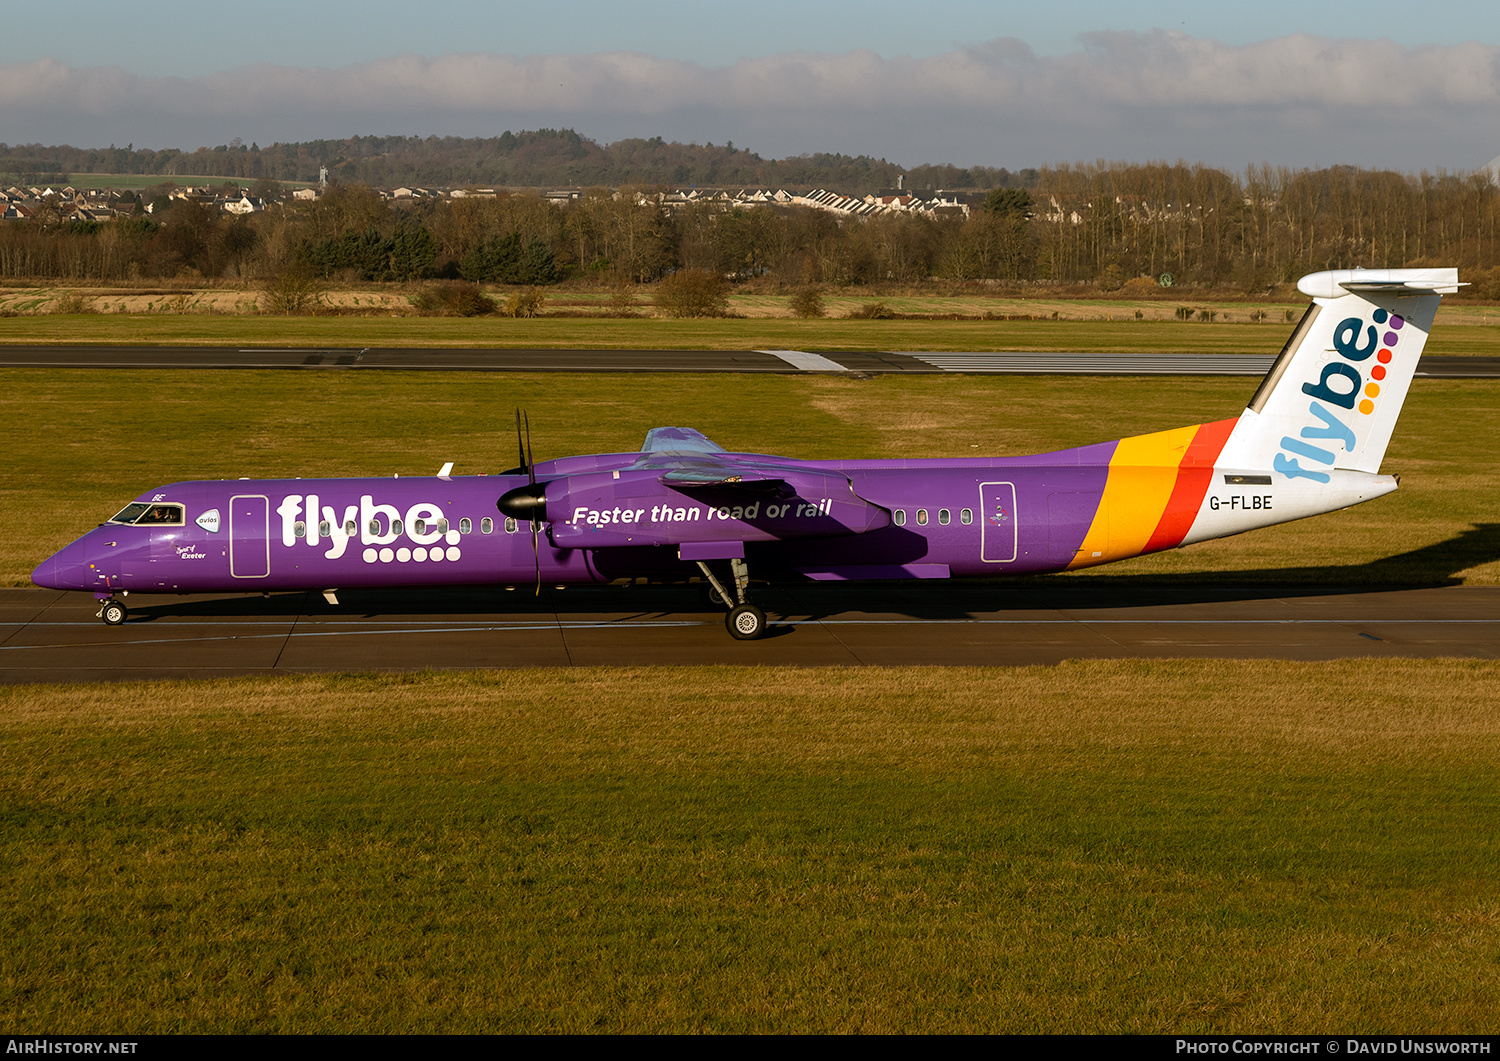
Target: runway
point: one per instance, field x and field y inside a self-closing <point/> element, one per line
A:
<point x="868" y="363"/>
<point x="50" y="636"/>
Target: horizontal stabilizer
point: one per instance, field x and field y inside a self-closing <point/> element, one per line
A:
<point x="1335" y="282"/>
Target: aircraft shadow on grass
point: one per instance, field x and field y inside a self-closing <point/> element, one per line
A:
<point x="1430" y="566"/>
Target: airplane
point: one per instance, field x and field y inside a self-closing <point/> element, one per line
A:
<point x="1310" y="441"/>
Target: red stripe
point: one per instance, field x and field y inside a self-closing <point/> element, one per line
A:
<point x="1194" y="475"/>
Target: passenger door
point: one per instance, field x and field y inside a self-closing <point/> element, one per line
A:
<point x="250" y="536"/>
<point x="997" y="522"/>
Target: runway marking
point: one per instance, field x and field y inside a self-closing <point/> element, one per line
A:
<point x="464" y="623"/>
<point x="455" y="627"/>
<point x="1106" y="364"/>
<point x="805" y="361"/>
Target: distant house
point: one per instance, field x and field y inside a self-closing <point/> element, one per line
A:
<point x="305" y="194"/>
<point x="244" y="205"/>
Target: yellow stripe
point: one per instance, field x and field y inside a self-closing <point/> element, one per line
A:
<point x="1141" y="476"/>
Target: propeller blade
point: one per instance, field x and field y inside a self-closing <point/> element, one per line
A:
<point x="536" y="555"/>
<point x="527" y="500"/>
<point x="530" y="464"/>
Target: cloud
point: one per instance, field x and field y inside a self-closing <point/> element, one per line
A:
<point x="1125" y="95"/>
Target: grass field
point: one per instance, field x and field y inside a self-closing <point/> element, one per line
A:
<point x="1097" y="847"/>
<point x="84" y="442"/>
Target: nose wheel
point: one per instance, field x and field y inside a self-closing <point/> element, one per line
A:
<point x="113" y="613"/>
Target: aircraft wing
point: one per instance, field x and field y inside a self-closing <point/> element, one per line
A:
<point x="683" y="458"/>
<point x="678" y="440"/>
<point x="687" y="471"/>
<point x="686" y="488"/>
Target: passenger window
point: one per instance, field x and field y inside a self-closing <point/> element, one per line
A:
<point x="900" y="517"/>
<point x="350" y="528"/>
<point x="486" y="525"/>
<point x="299" y="529"/>
<point x="375" y="528"/>
<point x="419" y="526"/>
<point x="395" y="526"/>
<point x="510" y="525"/>
<point x="921" y="517"/>
<point x="465" y="525"/>
<point x="324" y="528"/>
<point x="966" y="516"/>
<point x="442" y="526"/>
<point x="944" y="516"/>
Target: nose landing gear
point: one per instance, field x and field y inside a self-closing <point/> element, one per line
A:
<point x="112" y="612"/>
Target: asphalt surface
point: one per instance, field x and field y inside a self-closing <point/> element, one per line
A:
<point x="782" y="361"/>
<point x="51" y="636"/>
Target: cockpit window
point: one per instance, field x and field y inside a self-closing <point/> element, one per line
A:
<point x="161" y="514"/>
<point x="142" y="514"/>
<point x="130" y="513"/>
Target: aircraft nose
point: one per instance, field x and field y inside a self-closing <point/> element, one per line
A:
<point x="64" y="569"/>
<point x="45" y="574"/>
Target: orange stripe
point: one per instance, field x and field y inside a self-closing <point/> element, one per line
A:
<point x="1142" y="473"/>
<point x="1194" y="475"/>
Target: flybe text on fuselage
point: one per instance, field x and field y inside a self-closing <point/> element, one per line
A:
<point x="307" y="520"/>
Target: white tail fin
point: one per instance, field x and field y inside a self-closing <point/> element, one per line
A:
<point x="1332" y="398"/>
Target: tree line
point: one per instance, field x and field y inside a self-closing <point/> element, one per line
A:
<point x="1105" y="224"/>
<point x="540" y="158"/>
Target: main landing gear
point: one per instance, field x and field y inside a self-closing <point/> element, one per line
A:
<point x="112" y="612"/>
<point x="745" y="621"/>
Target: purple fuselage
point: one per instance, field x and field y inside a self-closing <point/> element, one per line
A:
<point x="919" y="519"/>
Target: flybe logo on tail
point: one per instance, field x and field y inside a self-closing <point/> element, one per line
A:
<point x="1352" y="384"/>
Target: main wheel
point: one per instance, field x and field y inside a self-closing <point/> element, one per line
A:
<point x="113" y="613"/>
<point x="746" y="622"/>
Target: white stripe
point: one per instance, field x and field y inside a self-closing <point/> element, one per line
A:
<point x="1097" y="364"/>
<point x="805" y="361"/>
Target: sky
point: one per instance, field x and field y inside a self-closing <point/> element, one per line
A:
<point x="1379" y="84"/>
